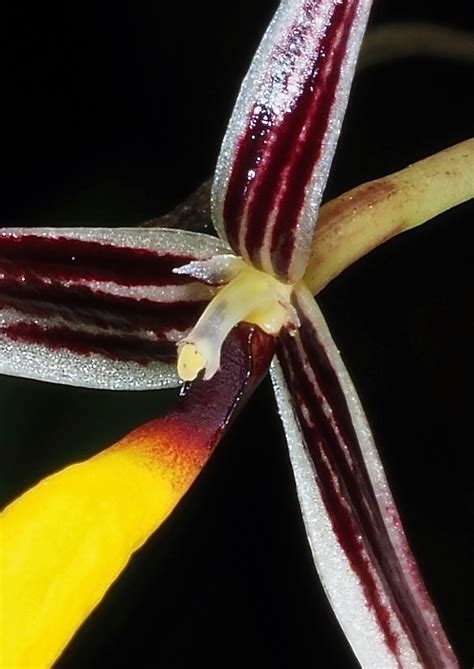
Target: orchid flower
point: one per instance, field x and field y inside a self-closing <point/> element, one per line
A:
<point x="109" y="308"/>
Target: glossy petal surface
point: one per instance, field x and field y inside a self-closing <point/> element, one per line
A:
<point x="353" y="527"/>
<point x="280" y="142"/>
<point x="98" y="307"/>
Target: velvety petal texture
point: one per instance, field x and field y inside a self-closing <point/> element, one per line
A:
<point x="66" y="540"/>
<point x="353" y="527"/>
<point x="280" y="142"/>
<point x="95" y="307"/>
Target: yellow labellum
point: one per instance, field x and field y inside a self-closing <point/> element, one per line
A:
<point x="61" y="548"/>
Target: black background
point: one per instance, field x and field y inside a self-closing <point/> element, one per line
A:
<point x="112" y="115"/>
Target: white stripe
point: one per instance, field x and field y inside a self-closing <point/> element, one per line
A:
<point x="339" y="581"/>
<point x="189" y="292"/>
<point x="274" y="81"/>
<point x="380" y="484"/>
<point x="40" y="363"/>
<point x="261" y="86"/>
<point x="158" y="240"/>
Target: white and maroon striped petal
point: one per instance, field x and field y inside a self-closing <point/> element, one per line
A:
<point x="354" y="530"/>
<point x="280" y="142"/>
<point x="96" y="307"/>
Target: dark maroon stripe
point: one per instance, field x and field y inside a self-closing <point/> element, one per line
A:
<point x="61" y="258"/>
<point x="325" y="453"/>
<point x="356" y="486"/>
<point x="211" y="406"/>
<point x="319" y="112"/>
<point x="274" y="152"/>
<point x="124" y="348"/>
<point x="249" y="160"/>
<point x="256" y="149"/>
<point x="80" y="305"/>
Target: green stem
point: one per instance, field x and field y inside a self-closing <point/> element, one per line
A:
<point x="358" y="221"/>
<point x="395" y="41"/>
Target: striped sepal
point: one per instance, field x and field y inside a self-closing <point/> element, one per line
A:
<point x="353" y="527"/>
<point x="280" y="142"/>
<point x="98" y="307"/>
<point x="67" y="539"/>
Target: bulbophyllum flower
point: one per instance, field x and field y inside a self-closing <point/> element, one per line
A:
<point x="109" y="308"/>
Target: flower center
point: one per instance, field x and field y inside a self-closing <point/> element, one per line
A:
<point x="252" y="296"/>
